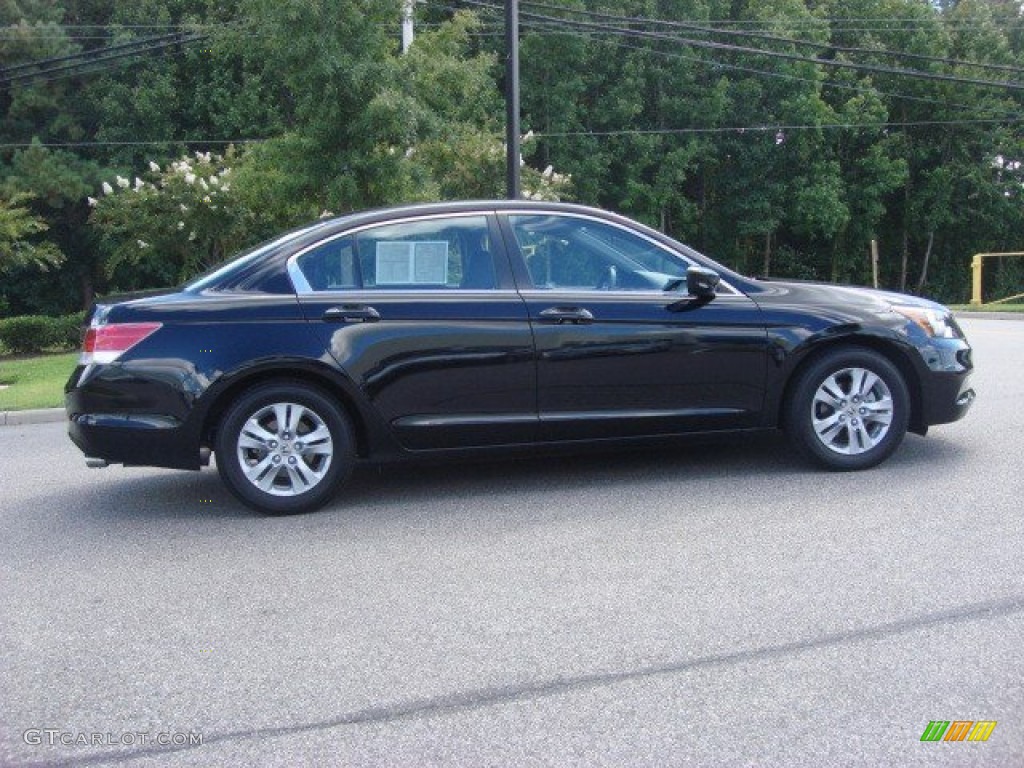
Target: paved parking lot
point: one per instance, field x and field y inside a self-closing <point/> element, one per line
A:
<point x="722" y="606"/>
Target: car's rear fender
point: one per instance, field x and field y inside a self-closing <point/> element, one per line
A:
<point x="372" y="436"/>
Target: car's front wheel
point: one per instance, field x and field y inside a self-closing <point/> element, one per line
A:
<point x="849" y="409"/>
<point x="284" y="447"/>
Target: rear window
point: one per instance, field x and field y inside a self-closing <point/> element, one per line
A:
<point x="244" y="272"/>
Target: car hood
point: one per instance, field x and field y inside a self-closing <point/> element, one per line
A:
<point x="835" y="296"/>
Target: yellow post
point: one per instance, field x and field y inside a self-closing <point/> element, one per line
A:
<point x="976" y="280"/>
<point x="976" y="274"/>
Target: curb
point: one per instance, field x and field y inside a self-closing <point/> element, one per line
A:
<point x="35" y="416"/>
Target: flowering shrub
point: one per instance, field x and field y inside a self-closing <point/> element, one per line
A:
<point x="176" y="220"/>
<point x="170" y="223"/>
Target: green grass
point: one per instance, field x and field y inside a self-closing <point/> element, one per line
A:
<point x="34" y="382"/>
<point x="988" y="308"/>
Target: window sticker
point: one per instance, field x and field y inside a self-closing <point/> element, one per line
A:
<point x="412" y="263"/>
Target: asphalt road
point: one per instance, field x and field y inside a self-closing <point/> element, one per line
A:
<point x="721" y="606"/>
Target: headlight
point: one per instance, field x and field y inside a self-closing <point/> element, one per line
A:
<point x="934" y="322"/>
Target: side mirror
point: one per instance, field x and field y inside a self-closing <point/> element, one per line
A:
<point x="701" y="282"/>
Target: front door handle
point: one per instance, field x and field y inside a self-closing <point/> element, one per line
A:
<point x="561" y="315"/>
<point x="352" y="313"/>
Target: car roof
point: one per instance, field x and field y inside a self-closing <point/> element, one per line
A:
<point x="298" y="238"/>
<point x="467" y="206"/>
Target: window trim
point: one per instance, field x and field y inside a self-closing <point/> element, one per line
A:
<point x="498" y="252"/>
<point x="505" y="216"/>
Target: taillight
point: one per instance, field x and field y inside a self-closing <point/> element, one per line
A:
<point x="106" y="343"/>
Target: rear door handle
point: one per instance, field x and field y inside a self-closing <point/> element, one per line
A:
<point x="352" y="313"/>
<point x="566" y="315"/>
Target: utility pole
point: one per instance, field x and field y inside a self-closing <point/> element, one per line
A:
<point x="512" y="99"/>
<point x="407" y="28"/>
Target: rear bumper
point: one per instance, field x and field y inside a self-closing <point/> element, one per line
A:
<point x="125" y="418"/>
<point x="142" y="440"/>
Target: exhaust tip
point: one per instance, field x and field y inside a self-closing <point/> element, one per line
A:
<point x="96" y="463"/>
<point x="966" y="398"/>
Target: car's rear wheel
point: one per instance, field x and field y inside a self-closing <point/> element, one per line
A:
<point x="284" y="448"/>
<point x="849" y="409"/>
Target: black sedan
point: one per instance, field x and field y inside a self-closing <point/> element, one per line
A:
<point x="468" y="326"/>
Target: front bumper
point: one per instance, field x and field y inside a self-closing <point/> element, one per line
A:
<point x="946" y="392"/>
<point x="946" y="398"/>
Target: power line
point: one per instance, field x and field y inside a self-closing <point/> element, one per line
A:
<point x="765" y="128"/>
<point x="773" y="38"/>
<point x="86" y="65"/>
<point x="735" y="129"/>
<point x="727" y="47"/>
<point x="715" y="64"/>
<point x="542" y="28"/>
<point x="5" y="72"/>
<point x="876" y="69"/>
<point x="155" y="142"/>
<point x="89" y="69"/>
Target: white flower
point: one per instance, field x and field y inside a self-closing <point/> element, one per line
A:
<point x="92" y="201"/>
<point x="190" y="178"/>
<point x="207" y="200"/>
<point x="325" y="214"/>
<point x="548" y="171"/>
<point x="184" y="208"/>
<point x="204" y="185"/>
<point x="215" y="181"/>
<point x="181" y="225"/>
<point x="139" y="183"/>
<point x="123" y="183"/>
<point x="527" y="137"/>
<point x="154" y="167"/>
<point x="107" y="189"/>
<point x="225" y="187"/>
<point x="410" y="152"/>
<point x="142" y="243"/>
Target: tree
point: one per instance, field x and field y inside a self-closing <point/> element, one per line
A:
<point x="18" y="245"/>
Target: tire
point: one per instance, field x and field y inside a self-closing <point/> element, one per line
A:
<point x="848" y="410"/>
<point x="284" y="448"/>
